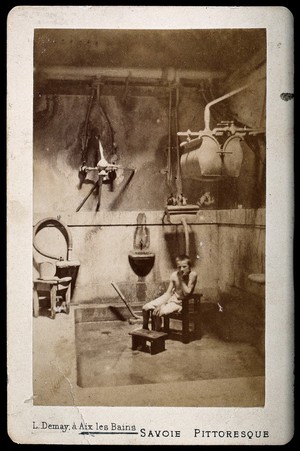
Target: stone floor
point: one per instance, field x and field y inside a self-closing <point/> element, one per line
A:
<point x="105" y="358"/>
<point x="92" y="363"/>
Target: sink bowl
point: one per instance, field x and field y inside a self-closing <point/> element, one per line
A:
<point x="141" y="262"/>
<point x="67" y="268"/>
<point x="67" y="263"/>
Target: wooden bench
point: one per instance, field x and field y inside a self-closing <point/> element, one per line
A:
<point x="156" y="340"/>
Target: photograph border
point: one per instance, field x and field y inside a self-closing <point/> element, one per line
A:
<point x="276" y="418"/>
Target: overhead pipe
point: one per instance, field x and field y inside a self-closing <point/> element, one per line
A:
<point x="220" y="99"/>
<point x="201" y="158"/>
<point x="213" y="102"/>
<point x="88" y="72"/>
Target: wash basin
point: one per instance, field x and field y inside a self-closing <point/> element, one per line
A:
<point x="141" y="262"/>
<point x="67" y="263"/>
<point x="67" y="268"/>
<point x="142" y="255"/>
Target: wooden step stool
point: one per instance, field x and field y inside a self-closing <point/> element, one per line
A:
<point x="156" y="339"/>
<point x="54" y="286"/>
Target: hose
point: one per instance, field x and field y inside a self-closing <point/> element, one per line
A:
<point x="186" y="235"/>
<point x="65" y="231"/>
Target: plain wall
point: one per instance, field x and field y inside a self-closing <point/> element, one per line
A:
<point x="225" y="247"/>
<point x="102" y="246"/>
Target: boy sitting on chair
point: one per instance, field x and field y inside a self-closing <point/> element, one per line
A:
<point x="181" y="286"/>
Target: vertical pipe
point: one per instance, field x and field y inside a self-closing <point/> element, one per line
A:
<point x="85" y="138"/>
<point x="169" y="167"/>
<point x="186" y="235"/>
<point x="99" y="191"/>
<point x="178" y="175"/>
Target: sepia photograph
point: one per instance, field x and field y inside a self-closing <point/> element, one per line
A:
<point x="148" y="241"/>
<point x="149" y="161"/>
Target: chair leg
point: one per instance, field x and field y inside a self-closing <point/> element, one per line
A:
<point x="147" y="315"/>
<point x="185" y="329"/>
<point x="197" y="323"/>
<point x="35" y="303"/>
<point x="156" y="322"/>
<point x="68" y="298"/>
<point x="166" y="324"/>
<point x="53" y="301"/>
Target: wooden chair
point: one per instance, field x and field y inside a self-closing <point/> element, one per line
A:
<point x="189" y="315"/>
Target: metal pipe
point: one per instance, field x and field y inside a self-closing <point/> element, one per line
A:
<point x="86" y="123"/>
<point x="219" y="99"/>
<point x="169" y="165"/>
<point x="178" y="176"/>
<point x="225" y="96"/>
<point x="100" y="181"/>
<point x="158" y="224"/>
<point x="186" y="235"/>
<point x="86" y="72"/>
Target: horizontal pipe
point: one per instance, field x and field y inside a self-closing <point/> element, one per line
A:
<point x="113" y="87"/>
<point x="159" y="224"/>
<point x="230" y="224"/>
<point x="88" y="72"/>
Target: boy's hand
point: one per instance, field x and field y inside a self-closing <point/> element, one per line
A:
<point x="182" y="277"/>
<point x="179" y="274"/>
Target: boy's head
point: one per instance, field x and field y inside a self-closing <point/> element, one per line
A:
<point x="183" y="263"/>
